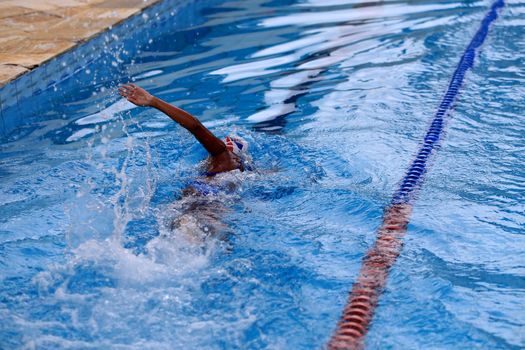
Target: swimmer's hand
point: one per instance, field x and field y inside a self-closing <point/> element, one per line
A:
<point x="141" y="97"/>
<point x="136" y="95"/>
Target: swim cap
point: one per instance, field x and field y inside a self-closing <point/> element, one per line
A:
<point x="236" y="145"/>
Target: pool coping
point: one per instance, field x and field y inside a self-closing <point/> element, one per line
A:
<point x="26" y="27"/>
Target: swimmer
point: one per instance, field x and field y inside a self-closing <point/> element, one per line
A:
<point x="225" y="155"/>
<point x="198" y="213"/>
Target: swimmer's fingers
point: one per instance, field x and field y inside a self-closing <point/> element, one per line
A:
<point x="135" y="94"/>
<point x="125" y="90"/>
<point x="127" y="93"/>
<point x="131" y="88"/>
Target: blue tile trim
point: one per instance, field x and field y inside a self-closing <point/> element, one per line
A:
<point x="3" y="132"/>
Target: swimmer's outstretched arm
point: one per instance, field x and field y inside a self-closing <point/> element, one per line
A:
<point x="141" y="97"/>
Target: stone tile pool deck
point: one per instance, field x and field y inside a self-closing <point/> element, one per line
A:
<point x="34" y="31"/>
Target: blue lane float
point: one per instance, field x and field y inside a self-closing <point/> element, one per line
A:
<point x="371" y="281"/>
<point x="414" y="177"/>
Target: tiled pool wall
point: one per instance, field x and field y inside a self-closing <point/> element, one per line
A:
<point x="23" y="101"/>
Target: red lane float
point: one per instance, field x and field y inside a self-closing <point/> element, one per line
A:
<point x="372" y="278"/>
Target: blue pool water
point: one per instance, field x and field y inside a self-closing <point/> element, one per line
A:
<point x="98" y="249"/>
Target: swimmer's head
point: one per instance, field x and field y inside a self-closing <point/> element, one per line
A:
<point x="236" y="145"/>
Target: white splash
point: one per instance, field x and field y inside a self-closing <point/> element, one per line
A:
<point x="80" y="134"/>
<point x="106" y="114"/>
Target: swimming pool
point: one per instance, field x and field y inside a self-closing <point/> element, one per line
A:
<point x="334" y="97"/>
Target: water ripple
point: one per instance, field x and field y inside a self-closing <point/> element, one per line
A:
<point x="334" y="97"/>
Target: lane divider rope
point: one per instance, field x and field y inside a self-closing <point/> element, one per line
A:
<point x="372" y="278"/>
